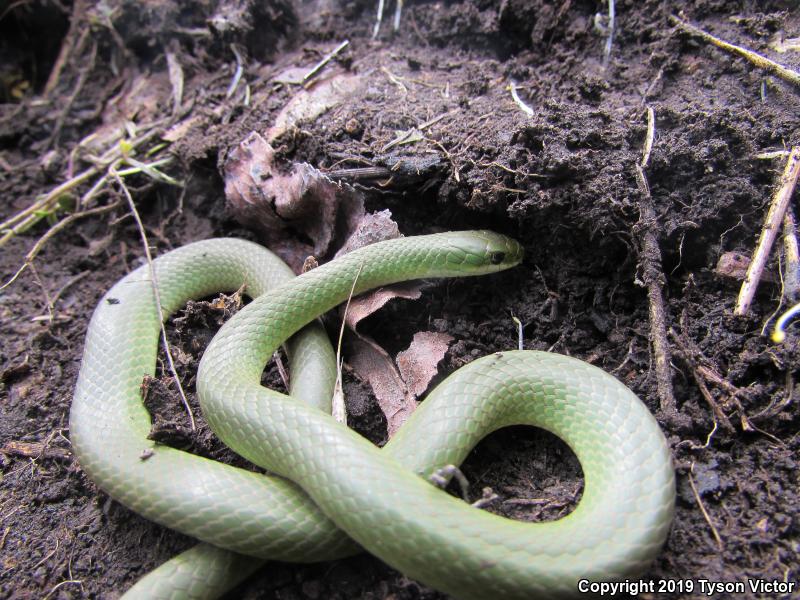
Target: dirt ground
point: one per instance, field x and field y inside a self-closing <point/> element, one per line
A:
<point x="562" y="180"/>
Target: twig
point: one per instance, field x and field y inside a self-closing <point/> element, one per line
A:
<point x="690" y="354"/>
<point x="395" y="80"/>
<point x="775" y="215"/>
<point x="82" y="76"/>
<point x="706" y="516"/>
<point x="398" y="10"/>
<point x="610" y="38"/>
<point x="773" y="154"/>
<point x="156" y="293"/>
<point x="338" y="407"/>
<point x="762" y="62"/>
<point x="378" y="20"/>
<point x="653" y="277"/>
<point x="649" y="137"/>
<point x="325" y="60"/>
<point x="61" y="225"/>
<point x="791" y="258"/>
<point x="79" y="9"/>
<point x="55" y="588"/>
<point x="237" y="75"/>
<point x="69" y="283"/>
<point x="44" y="205"/>
<point x="442" y="477"/>
<point x="519" y="102"/>
<point x="520" y="337"/>
<point x="45" y="293"/>
<point x="175" y="71"/>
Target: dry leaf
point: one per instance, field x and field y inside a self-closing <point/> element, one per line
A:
<point x="419" y="364"/>
<point x="397" y="386"/>
<point x="307" y="105"/>
<point x="279" y="206"/>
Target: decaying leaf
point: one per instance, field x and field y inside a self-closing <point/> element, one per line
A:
<point x="309" y="104"/>
<point x="371" y="228"/>
<point x="280" y="206"/>
<point x="365" y="305"/>
<point x="418" y="364"/>
<point x="396" y="386"/>
<point x="304" y="201"/>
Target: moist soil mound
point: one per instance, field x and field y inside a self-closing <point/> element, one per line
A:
<point x="446" y="146"/>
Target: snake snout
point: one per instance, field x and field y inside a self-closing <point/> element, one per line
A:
<point x="488" y="252"/>
<point x="480" y="252"/>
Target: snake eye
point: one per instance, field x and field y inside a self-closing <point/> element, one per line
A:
<point x="497" y="257"/>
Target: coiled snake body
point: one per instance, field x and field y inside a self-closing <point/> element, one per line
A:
<point x="333" y="491"/>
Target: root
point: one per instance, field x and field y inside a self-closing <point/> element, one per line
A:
<point x="775" y="216"/>
<point x="653" y="277"/>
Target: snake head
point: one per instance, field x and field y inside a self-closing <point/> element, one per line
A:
<point x="481" y="252"/>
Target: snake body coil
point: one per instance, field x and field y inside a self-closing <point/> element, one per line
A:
<point x="334" y="491"/>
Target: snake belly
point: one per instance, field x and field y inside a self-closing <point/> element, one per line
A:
<point x="334" y="491"/>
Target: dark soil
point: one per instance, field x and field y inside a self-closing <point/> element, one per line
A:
<point x="562" y="181"/>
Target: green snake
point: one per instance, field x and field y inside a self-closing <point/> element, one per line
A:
<point x="331" y="493"/>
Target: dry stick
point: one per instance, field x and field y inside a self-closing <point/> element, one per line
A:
<point x="610" y="38"/>
<point x="791" y="277"/>
<point x="62" y="224"/>
<point x="684" y="347"/>
<point x="398" y="10"/>
<point x="706" y="372"/>
<point x="774" y="217"/>
<point x="176" y="80"/>
<point x="17" y="222"/>
<point x="32" y="214"/>
<point x="512" y="86"/>
<point x="237" y="74"/>
<point x="778" y="69"/>
<point x="653" y="277"/>
<point x="156" y="294"/>
<point x="378" y="20"/>
<point x="65" y="53"/>
<point x="62" y="115"/>
<point x="706" y="516"/>
<point x="325" y="60"/>
<point x="338" y="407"/>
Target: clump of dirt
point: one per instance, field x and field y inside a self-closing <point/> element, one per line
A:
<point x="435" y="136"/>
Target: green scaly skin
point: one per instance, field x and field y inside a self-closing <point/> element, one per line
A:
<point x="334" y="491"/>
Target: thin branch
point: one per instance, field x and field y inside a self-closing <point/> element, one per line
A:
<point x="703" y="510"/>
<point x="762" y="62"/>
<point x="237" y="75"/>
<point x="44" y="205"/>
<point x="649" y="137"/>
<point x="512" y="85"/>
<point x="60" y="226"/>
<point x="775" y="215"/>
<point x="610" y="38"/>
<point x="791" y="254"/>
<point x="67" y="107"/>
<point x="176" y="80"/>
<point x="325" y="60"/>
<point x="156" y="293"/>
<point x="79" y="9"/>
<point x="653" y="276"/>
<point x="376" y="29"/>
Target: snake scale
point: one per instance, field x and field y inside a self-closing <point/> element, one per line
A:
<point x="330" y="492"/>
